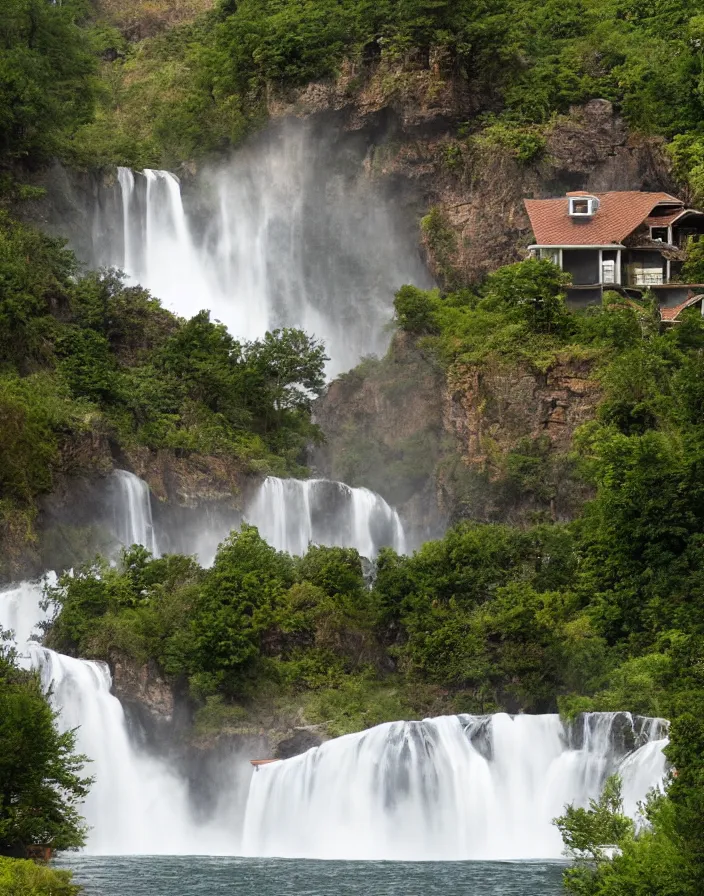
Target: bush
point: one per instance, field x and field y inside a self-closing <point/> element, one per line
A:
<point x="22" y="878"/>
<point x="415" y="310"/>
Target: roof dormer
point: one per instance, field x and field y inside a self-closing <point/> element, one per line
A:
<point x="582" y="205"/>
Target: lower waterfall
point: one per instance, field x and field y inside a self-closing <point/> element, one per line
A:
<point x="459" y="787"/>
<point x="293" y="513"/>
<point x="451" y="788"/>
<point x="137" y="805"/>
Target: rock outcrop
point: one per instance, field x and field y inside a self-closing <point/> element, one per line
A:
<point x="489" y="442"/>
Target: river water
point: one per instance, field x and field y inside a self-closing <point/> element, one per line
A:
<point x="201" y="876"/>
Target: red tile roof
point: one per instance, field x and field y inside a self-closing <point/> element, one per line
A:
<point x="671" y="314"/>
<point x="662" y="220"/>
<point x="618" y="215"/>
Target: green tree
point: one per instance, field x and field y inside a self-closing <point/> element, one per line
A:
<point x="650" y="863"/>
<point x="235" y="605"/>
<point x="415" y="310"/>
<point x="536" y="288"/>
<point x="693" y="267"/>
<point x="41" y="780"/>
<point x="285" y="372"/>
<point x="46" y="76"/>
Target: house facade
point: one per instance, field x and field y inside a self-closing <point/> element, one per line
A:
<point x="624" y="241"/>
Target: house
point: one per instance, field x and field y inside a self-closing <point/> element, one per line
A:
<point x="624" y="241"/>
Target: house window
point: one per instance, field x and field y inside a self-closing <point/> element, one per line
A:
<point x="660" y="234"/>
<point x="583" y="206"/>
<point x="552" y="255"/>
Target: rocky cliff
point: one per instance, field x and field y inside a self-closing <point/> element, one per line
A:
<point x="489" y="442"/>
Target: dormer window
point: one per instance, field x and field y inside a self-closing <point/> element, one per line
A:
<point x="583" y="206"/>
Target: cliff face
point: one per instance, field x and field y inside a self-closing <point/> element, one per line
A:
<point x="489" y="442"/>
<point x="413" y="112"/>
<point x="383" y="425"/>
<point x="513" y="428"/>
<point x="168" y="723"/>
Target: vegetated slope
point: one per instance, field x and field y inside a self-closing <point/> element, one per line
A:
<point x="199" y="86"/>
<point x="93" y="371"/>
<point x="603" y="613"/>
<point x="593" y="602"/>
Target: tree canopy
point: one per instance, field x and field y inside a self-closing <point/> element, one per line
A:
<point x="42" y="784"/>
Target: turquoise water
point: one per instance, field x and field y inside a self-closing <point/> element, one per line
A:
<point x="198" y="876"/>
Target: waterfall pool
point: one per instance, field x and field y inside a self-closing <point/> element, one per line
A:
<point x="212" y="876"/>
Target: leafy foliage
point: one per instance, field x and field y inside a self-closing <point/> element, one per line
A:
<point x="46" y="76"/>
<point x="650" y="863"/>
<point x="19" y="877"/>
<point x="85" y="353"/>
<point x="41" y="782"/>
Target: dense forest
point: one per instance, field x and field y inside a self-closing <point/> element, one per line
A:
<point x="73" y="83"/>
<point x="605" y="612"/>
<point x="599" y="614"/>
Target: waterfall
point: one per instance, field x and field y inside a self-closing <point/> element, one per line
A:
<point x="451" y="788"/>
<point x="457" y="787"/>
<point x="125" y="179"/>
<point x="290" y="233"/>
<point x="293" y="513"/>
<point x="132" y="511"/>
<point x="21" y="611"/>
<point x="137" y="805"/>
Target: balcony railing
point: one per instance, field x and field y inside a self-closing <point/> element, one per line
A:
<point x="645" y="277"/>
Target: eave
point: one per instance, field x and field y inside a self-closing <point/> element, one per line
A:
<point x="574" y="246"/>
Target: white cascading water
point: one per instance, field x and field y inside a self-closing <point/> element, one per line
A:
<point x="282" y="236"/>
<point x="138" y="804"/>
<point x="458" y="787"/>
<point x="450" y="788"/>
<point x="132" y="511"/>
<point x="291" y="514"/>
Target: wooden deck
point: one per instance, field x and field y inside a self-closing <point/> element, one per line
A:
<point x="257" y="762"/>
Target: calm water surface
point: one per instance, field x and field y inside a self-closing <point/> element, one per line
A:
<point x="198" y="876"/>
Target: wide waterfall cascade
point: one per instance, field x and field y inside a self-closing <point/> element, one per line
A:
<point x="451" y="788"/>
<point x="290" y="233"/>
<point x="291" y="514"/>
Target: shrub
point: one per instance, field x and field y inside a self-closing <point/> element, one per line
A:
<point x="22" y="878"/>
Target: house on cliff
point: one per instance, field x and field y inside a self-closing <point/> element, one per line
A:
<point x="629" y="242"/>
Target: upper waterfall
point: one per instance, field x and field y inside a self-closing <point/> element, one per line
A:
<point x="291" y="514"/>
<point x="451" y="788"/>
<point x="132" y="511"/>
<point x="289" y="233"/>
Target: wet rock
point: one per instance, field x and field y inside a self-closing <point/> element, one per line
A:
<point x="302" y="740"/>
